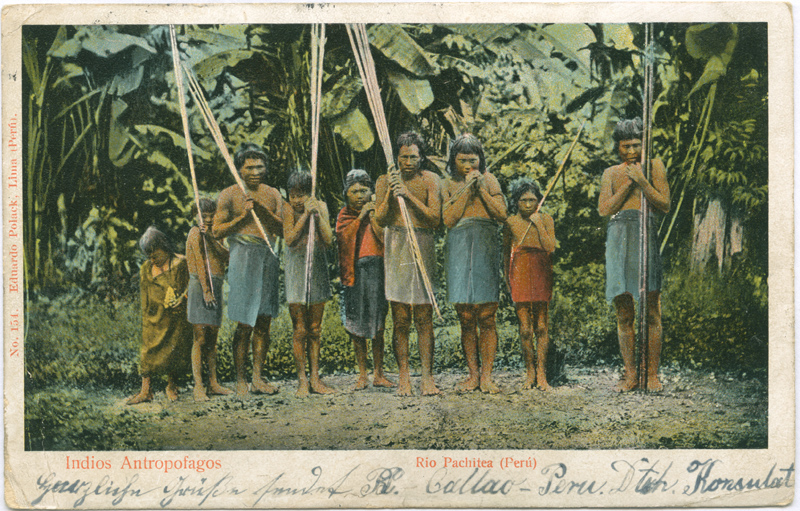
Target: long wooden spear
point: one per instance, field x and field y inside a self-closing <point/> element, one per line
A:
<point x="216" y="133"/>
<point x="644" y="209"/>
<point x="176" y="59"/>
<point x="366" y="67"/>
<point x="315" y="76"/>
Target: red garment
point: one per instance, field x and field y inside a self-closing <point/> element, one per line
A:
<point x="531" y="275"/>
<point x="356" y="240"/>
<point x="370" y="245"/>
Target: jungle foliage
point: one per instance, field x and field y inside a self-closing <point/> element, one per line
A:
<point x="106" y="157"/>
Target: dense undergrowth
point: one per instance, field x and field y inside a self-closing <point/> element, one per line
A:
<point x="76" y="339"/>
<point x="76" y="342"/>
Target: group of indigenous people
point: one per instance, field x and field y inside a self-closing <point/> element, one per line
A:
<point x="386" y="236"/>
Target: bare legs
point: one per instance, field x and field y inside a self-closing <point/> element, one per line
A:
<point x="378" y="378"/>
<point x="423" y="321"/>
<point x="360" y="347"/>
<point x="261" y="342"/>
<point x="205" y="348"/>
<point x="241" y="344"/>
<point x="483" y="346"/>
<point x="469" y="342"/>
<point x="146" y="393"/>
<point x="654" y="340"/>
<point x="533" y="321"/>
<point x="306" y="343"/>
<point x="627" y="340"/>
<point x="401" y="316"/>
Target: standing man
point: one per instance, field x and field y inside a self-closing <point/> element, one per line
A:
<point x="620" y="195"/>
<point x="473" y="210"/>
<point x="405" y="290"/>
<point x="254" y="269"/>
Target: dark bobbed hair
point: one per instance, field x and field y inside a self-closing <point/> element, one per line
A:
<point x="357" y="176"/>
<point x="153" y="239"/>
<point x="408" y="139"/>
<point x="465" y="144"/>
<point x="299" y="180"/>
<point x="206" y="206"/>
<point x="520" y="187"/>
<point x="248" y="150"/>
<point x="628" y="129"/>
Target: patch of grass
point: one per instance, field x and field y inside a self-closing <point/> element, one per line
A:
<point x="79" y="339"/>
<point x="61" y="419"/>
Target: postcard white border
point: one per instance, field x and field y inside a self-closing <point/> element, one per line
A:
<point x="254" y="469"/>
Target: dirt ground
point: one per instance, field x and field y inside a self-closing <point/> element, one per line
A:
<point x="697" y="409"/>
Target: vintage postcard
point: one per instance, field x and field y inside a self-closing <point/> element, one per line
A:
<point x="391" y="255"/>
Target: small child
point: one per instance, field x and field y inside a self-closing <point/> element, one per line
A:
<point x="528" y="240"/>
<point x="166" y="335"/>
<point x="364" y="305"/>
<point x="306" y="297"/>
<point x="205" y="297"/>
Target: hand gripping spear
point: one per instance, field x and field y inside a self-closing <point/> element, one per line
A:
<point x="644" y="207"/>
<point x="176" y="58"/>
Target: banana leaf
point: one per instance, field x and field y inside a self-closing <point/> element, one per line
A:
<point x="102" y="42"/>
<point x="398" y="46"/>
<point x="355" y="129"/>
<point x="337" y="101"/>
<point x="177" y="138"/>
<point x="415" y="94"/>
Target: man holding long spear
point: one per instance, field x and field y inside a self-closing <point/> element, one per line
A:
<point x="405" y="289"/>
<point x="254" y="268"/>
<point x="620" y="198"/>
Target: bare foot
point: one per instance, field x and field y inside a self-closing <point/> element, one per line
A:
<point x="262" y="387"/>
<point x="302" y="389"/>
<point x="429" y="388"/>
<point x="489" y="387"/>
<point x="382" y="381"/>
<point x="171" y="391"/>
<point x="241" y="389"/>
<point x="468" y="385"/>
<point x="140" y="398"/>
<point x="218" y="390"/>
<point x="404" y="388"/>
<point x="626" y="385"/>
<point x="653" y="385"/>
<point x="361" y="383"/>
<point x="200" y="394"/>
<point x="317" y="387"/>
<point x="529" y="383"/>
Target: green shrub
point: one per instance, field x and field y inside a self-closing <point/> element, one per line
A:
<point x="77" y="338"/>
<point x="582" y="323"/>
<point x="61" y="419"/>
<point x="716" y="320"/>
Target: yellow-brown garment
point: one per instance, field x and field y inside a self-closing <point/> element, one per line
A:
<point x="166" y="333"/>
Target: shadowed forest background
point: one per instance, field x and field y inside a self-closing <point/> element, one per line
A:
<point x="105" y="158"/>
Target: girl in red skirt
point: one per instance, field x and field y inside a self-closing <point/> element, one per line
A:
<point x="528" y="240"/>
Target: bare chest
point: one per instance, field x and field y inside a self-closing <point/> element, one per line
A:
<point x="524" y="233"/>
<point x="262" y="196"/>
<point x="418" y="187"/>
<point x="474" y="207"/>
